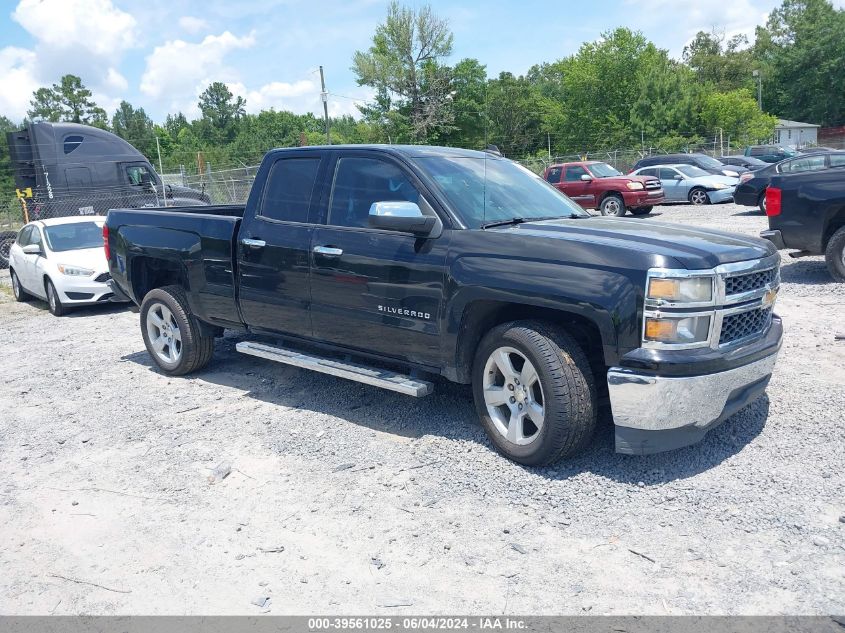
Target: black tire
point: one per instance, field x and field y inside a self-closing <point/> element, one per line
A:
<point x="641" y="210"/>
<point x="193" y="349"/>
<point x="54" y="303"/>
<point x="17" y="289"/>
<point x="7" y="238"/>
<point x="612" y="205"/>
<point x="695" y="196"/>
<point x="761" y="201"/>
<point x="568" y="391"/>
<point x="834" y="255"/>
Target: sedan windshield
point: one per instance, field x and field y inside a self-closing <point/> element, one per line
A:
<point x="74" y="236"/>
<point x="692" y="171"/>
<point x="603" y="170"/>
<point x="710" y="163"/>
<point x="491" y="189"/>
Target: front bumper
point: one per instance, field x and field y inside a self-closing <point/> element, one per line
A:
<point x="721" y="195"/>
<point x="81" y="291"/>
<point x="653" y="414"/>
<point x="643" y="198"/>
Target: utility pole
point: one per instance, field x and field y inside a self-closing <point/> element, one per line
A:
<point x="549" y="139"/>
<point x="756" y="73"/>
<point x="325" y="97"/>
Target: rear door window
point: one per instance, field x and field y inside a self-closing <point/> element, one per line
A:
<point x="290" y="185"/>
<point x="553" y="175"/>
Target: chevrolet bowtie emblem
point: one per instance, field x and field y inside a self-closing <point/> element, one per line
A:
<point x="769" y="297"/>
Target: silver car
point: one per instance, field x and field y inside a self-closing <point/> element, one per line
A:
<point x="687" y="183"/>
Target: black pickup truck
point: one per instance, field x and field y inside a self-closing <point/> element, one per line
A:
<point x="391" y="265"/>
<point x="807" y="213"/>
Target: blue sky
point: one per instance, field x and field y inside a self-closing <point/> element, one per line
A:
<point x="160" y="54"/>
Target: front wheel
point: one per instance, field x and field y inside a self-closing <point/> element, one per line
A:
<point x="642" y="210"/>
<point x="172" y="335"/>
<point x="698" y="197"/>
<point x="612" y="205"/>
<point x="534" y="392"/>
<point x="53" y="302"/>
<point x="834" y="255"/>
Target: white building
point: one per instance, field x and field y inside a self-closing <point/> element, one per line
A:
<point x="795" y="133"/>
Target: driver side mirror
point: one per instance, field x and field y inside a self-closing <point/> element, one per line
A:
<point x="400" y="216"/>
<point x="33" y="249"/>
<point x="586" y="177"/>
<point x="678" y="177"/>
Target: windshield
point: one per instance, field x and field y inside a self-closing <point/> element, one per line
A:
<point x="692" y="171"/>
<point x="603" y="170"/>
<point x="490" y="189"/>
<point x="74" y="236"/>
<point x="710" y="163"/>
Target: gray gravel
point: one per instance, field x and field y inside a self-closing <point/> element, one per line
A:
<point x="345" y="499"/>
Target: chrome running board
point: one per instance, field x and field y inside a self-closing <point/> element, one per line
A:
<point x="383" y="378"/>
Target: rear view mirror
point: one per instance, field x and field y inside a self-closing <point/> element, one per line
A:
<point x="586" y="177"/>
<point x="404" y="217"/>
<point x="32" y="249"/>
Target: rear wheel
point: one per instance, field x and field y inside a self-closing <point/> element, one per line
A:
<point x="172" y="335"/>
<point x="762" y="201"/>
<point x="698" y="196"/>
<point x="53" y="301"/>
<point x="534" y="392"/>
<point x="641" y="210"/>
<point x="612" y="205"/>
<point x="17" y="289"/>
<point x="834" y="255"/>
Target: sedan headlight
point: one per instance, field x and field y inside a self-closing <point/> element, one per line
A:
<point x="635" y="186"/>
<point x="731" y="173"/>
<point x="677" y="330"/>
<point x="680" y="289"/>
<point x="74" y="271"/>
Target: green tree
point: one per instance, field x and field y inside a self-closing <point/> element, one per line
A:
<point x="135" y="127"/>
<point x="404" y="65"/>
<point x="724" y="63"/>
<point x="667" y="107"/>
<point x="221" y="112"/>
<point x="737" y="114"/>
<point x="68" y="101"/>
<point x="515" y="112"/>
<point x="469" y="88"/>
<point x="800" y="52"/>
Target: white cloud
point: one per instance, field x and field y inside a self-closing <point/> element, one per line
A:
<point x="191" y="24"/>
<point x="177" y="71"/>
<point x="94" y="25"/>
<point x="83" y="37"/>
<point x="299" y="97"/>
<point x="17" y="70"/>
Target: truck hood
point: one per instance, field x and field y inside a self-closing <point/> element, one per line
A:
<point x="621" y="180"/>
<point x="693" y="248"/>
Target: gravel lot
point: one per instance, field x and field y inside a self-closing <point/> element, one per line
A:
<point x="347" y="499"/>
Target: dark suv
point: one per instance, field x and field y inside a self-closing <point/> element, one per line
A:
<point x="702" y="161"/>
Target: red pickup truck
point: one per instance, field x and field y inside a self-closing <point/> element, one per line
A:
<point x="597" y="185"/>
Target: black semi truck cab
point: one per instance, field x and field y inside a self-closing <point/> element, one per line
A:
<point x="390" y="265"/>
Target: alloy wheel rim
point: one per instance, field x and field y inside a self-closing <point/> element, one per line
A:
<point x="513" y="396"/>
<point x="698" y="197"/>
<point x="51" y="297"/>
<point x="164" y="334"/>
<point x="16" y="286"/>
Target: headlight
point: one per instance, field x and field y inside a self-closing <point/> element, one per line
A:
<point x="74" y="271"/>
<point x="721" y="185"/>
<point x="679" y="330"/>
<point x="680" y="290"/>
<point x="635" y="186"/>
<point x="731" y="173"/>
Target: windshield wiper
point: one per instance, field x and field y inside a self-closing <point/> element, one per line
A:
<point x="520" y="220"/>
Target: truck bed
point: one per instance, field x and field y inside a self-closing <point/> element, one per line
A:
<point x="194" y="246"/>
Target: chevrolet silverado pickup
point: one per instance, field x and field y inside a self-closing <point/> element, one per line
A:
<point x="806" y="212"/>
<point x="393" y="265"/>
<point x="597" y="185"/>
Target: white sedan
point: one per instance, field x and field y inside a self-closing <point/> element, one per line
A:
<point x="61" y="260"/>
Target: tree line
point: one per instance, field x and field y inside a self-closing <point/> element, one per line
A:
<point x="620" y="91"/>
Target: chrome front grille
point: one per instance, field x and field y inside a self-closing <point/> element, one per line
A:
<point x="740" y="326"/>
<point x="739" y="284"/>
<point x="652" y="184"/>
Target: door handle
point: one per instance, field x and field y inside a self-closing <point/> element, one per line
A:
<point x="328" y="251"/>
<point x="253" y="243"/>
